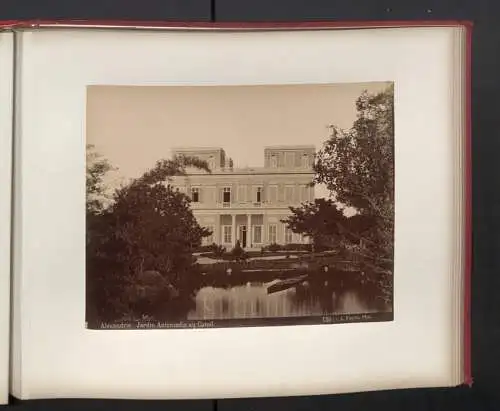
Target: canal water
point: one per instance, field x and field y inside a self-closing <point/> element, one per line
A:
<point x="253" y="301"/>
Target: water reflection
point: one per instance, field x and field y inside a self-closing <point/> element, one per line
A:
<point x="253" y="301"/>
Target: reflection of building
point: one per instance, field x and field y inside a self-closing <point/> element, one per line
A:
<point x="247" y="204"/>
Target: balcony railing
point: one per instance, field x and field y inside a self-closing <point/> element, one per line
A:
<point x="244" y="204"/>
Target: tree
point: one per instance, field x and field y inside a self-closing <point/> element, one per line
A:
<point x="148" y="227"/>
<point x="317" y="220"/>
<point x="325" y="223"/>
<point x="357" y="166"/>
<point x="96" y="167"/>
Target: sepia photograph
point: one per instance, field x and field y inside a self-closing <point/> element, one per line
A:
<point x="236" y="206"/>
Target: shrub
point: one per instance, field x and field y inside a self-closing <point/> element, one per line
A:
<point x="204" y="248"/>
<point x="297" y="247"/>
<point x="218" y="250"/>
<point x="238" y="253"/>
<point x="273" y="247"/>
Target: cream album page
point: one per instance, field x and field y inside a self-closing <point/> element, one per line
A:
<point x="212" y="214"/>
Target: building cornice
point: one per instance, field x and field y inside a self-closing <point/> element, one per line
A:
<point x="290" y="147"/>
<point x="236" y="173"/>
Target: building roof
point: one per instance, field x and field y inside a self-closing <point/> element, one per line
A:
<point x="197" y="149"/>
<point x="279" y="147"/>
<point x="291" y="147"/>
<point x="253" y="171"/>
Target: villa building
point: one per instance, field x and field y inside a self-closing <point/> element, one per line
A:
<point x="248" y="204"/>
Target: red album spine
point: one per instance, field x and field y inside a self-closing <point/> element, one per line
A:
<point x="468" y="379"/>
<point x="13" y="24"/>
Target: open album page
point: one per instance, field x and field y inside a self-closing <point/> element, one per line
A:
<point x="227" y="214"/>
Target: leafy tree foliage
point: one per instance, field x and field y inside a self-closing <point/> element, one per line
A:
<point x="325" y="223"/>
<point x="357" y="167"/>
<point x="97" y="168"/>
<point x="149" y="227"/>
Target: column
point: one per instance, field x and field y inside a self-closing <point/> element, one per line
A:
<point x="249" y="230"/>
<point x="233" y="230"/>
<point x="218" y="230"/>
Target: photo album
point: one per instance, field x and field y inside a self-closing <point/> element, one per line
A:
<point x="233" y="210"/>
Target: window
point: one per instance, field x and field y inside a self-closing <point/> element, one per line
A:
<point x="274" y="161"/>
<point x="226" y="195"/>
<point x="273" y="231"/>
<point x="227" y="233"/>
<point x="288" y="236"/>
<point x="195" y="194"/>
<point x="257" y="234"/>
<point x="258" y="195"/>
<point x="273" y="194"/>
<point x="289" y="194"/>
<point x="305" y="161"/>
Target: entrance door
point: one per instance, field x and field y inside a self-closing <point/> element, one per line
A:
<point x="242" y="236"/>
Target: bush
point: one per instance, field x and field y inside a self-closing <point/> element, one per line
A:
<point x="273" y="247"/>
<point x="218" y="250"/>
<point x="238" y="253"/>
<point x="319" y="248"/>
<point x="287" y="247"/>
<point x="297" y="247"/>
<point x="204" y="248"/>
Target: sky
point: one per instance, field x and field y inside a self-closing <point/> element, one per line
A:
<point x="134" y="126"/>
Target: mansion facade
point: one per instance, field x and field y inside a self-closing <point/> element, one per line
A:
<point x="248" y="204"/>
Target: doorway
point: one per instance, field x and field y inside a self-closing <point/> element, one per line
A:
<point x="242" y="235"/>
